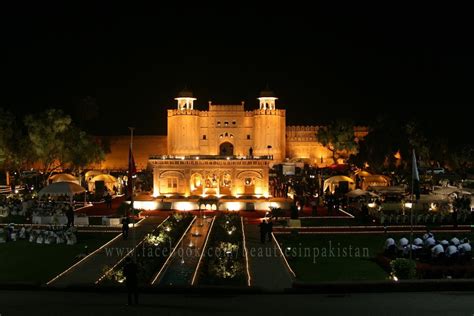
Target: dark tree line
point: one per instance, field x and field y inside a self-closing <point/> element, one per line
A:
<point x="48" y="139"/>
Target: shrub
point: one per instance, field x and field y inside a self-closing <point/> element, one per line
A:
<point x="123" y="209"/>
<point x="277" y="212"/>
<point x="294" y="212"/>
<point x="403" y="268"/>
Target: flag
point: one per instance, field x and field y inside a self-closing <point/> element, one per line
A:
<point x="132" y="170"/>
<point x="416" y="177"/>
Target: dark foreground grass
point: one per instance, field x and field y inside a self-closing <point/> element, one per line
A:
<point x="25" y="262"/>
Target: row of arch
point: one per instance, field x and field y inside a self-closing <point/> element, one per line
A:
<point x="212" y="182"/>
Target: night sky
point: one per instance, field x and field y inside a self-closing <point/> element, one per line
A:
<point x="323" y="62"/>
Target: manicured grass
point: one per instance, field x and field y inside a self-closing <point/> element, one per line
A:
<point x="319" y="264"/>
<point x="95" y="220"/>
<point x="25" y="262"/>
<point x="17" y="219"/>
<point x="309" y="222"/>
<point x="351" y="257"/>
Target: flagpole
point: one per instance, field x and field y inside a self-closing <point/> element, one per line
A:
<point x="413" y="166"/>
<point x="131" y="176"/>
<point x="131" y="184"/>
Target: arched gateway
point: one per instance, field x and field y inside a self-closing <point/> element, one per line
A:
<point x="226" y="149"/>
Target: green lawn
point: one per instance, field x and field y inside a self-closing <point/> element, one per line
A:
<point x="25" y="262"/>
<point x="351" y="258"/>
<point x="310" y="222"/>
<point x="17" y="219"/>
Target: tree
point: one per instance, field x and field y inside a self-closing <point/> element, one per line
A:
<point x="461" y="158"/>
<point x="418" y="141"/>
<point x="338" y="137"/>
<point x="58" y="144"/>
<point x="15" y="149"/>
<point x="86" y="150"/>
<point x="47" y="134"/>
<point x="389" y="145"/>
<point x="6" y="136"/>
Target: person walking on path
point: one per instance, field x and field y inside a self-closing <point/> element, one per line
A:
<point x="70" y="216"/>
<point x="125" y="222"/>
<point x="108" y="200"/>
<point x="130" y="271"/>
<point x="269" y="229"/>
<point x="263" y="230"/>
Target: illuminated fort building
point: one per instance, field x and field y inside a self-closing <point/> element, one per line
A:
<point x="225" y="150"/>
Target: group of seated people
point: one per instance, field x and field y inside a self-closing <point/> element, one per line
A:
<point x="430" y="249"/>
<point x="49" y="208"/>
<point x="13" y="206"/>
<point x="50" y="235"/>
<point x="26" y="206"/>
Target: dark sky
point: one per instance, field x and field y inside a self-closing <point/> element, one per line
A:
<point x="357" y="61"/>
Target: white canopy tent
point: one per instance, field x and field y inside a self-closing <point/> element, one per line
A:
<point x="62" y="188"/>
<point x="375" y="181"/>
<point x="91" y="174"/>
<point x="109" y="181"/>
<point x="332" y="182"/>
<point x="63" y="177"/>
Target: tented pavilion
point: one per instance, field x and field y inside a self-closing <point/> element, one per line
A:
<point x="375" y="181"/>
<point x="62" y="189"/>
<point x="109" y="181"/>
<point x="91" y="174"/>
<point x="338" y="181"/>
<point x="63" y="177"/>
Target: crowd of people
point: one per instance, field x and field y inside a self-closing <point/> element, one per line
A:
<point x="49" y="235"/>
<point x="26" y="205"/>
<point x="429" y="249"/>
<point x="14" y="205"/>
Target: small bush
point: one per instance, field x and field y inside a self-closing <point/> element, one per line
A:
<point x="294" y="212"/>
<point x="277" y="212"/>
<point x="123" y="209"/>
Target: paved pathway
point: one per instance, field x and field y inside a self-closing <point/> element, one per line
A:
<point x="92" y="268"/>
<point x="105" y="303"/>
<point x="267" y="266"/>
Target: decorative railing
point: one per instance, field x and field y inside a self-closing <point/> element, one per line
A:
<point x="209" y="157"/>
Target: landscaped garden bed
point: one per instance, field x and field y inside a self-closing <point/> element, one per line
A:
<point x="224" y="259"/>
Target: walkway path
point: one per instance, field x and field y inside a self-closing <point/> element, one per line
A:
<point x="183" y="264"/>
<point x="91" y="268"/>
<point x="267" y="266"/>
<point x="109" y="303"/>
<point x="101" y="209"/>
